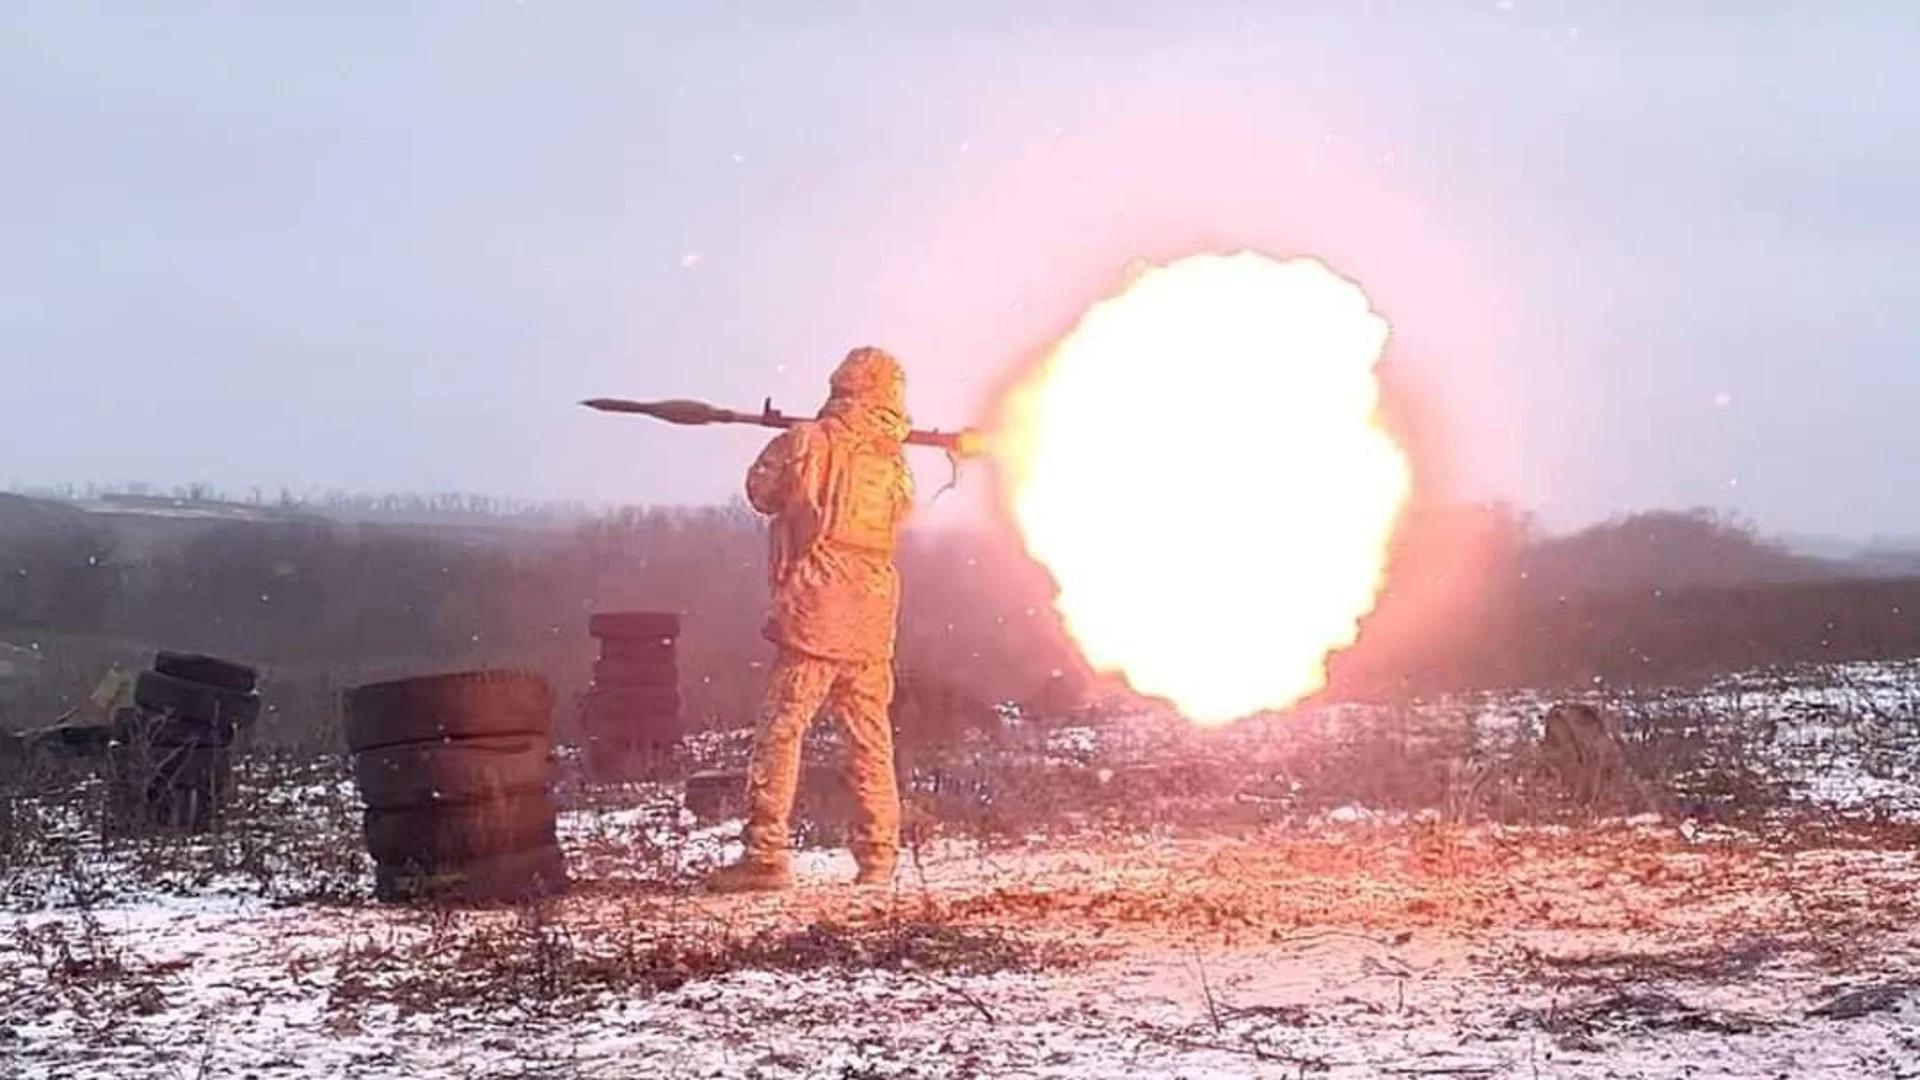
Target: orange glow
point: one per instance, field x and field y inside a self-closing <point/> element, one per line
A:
<point x="1200" y="466"/>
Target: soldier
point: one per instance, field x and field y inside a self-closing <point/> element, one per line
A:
<point x="837" y="490"/>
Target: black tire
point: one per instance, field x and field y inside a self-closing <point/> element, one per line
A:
<point x="661" y="625"/>
<point x="188" y="700"/>
<point x="636" y="674"/>
<point x="639" y="651"/>
<point x="633" y="704"/>
<point x="716" y="795"/>
<point x="172" y="787"/>
<point x="631" y="718"/>
<point x="170" y="766"/>
<point x="430" y="837"/>
<point x="195" y="809"/>
<point x="657" y="738"/>
<point x="455" y="705"/>
<point x="138" y="731"/>
<point x="823" y="797"/>
<point x="503" y="879"/>
<point x="173" y="733"/>
<point x="211" y="670"/>
<point x="454" y="772"/>
<point x="605" y="761"/>
<point x="200" y="768"/>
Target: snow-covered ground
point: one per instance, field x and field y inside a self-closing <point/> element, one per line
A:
<point x="1353" y="942"/>
<point x="1622" y="951"/>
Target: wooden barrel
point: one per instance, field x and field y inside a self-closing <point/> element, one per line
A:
<point x="631" y="721"/>
<point x="171" y="756"/>
<point x="455" y="771"/>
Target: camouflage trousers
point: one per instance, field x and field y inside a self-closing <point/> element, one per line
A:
<point x="858" y="695"/>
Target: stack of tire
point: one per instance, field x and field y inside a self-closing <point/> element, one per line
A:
<point x="455" y="771"/>
<point x="631" y="722"/>
<point x="171" y="761"/>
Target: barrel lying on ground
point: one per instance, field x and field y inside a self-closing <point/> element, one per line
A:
<point x="631" y="720"/>
<point x="455" y="771"/>
<point x="824" y="805"/>
<point x="171" y="755"/>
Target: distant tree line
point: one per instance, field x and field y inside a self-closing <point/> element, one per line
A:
<point x="412" y="506"/>
<point x="1475" y="596"/>
<point x="1480" y="597"/>
<point x="311" y="596"/>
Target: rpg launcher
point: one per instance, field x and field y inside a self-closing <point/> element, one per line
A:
<point x="957" y="445"/>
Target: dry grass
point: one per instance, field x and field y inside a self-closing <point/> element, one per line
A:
<point x="547" y="958"/>
<point x="289" y="833"/>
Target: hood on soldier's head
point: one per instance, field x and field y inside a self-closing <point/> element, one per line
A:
<point x="870" y="374"/>
<point x="870" y="383"/>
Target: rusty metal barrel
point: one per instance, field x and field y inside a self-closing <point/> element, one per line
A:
<point x="631" y="722"/>
<point x="455" y="771"/>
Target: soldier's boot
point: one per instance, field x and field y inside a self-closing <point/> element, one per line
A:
<point x="751" y="874"/>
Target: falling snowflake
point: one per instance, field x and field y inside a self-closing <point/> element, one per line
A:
<point x="690" y="260"/>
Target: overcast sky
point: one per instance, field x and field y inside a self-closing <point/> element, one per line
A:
<point x="1637" y="255"/>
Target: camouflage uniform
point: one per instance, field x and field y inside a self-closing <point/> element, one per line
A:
<point x="837" y="489"/>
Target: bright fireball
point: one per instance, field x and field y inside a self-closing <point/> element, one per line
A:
<point x="1200" y="465"/>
